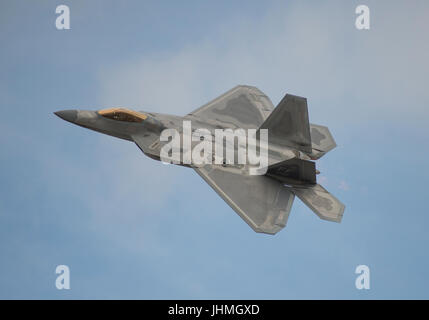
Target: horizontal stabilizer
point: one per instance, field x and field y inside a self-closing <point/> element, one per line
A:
<point x="324" y="204"/>
<point x="321" y="141"/>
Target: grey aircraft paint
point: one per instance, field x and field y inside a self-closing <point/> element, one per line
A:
<point x="263" y="201"/>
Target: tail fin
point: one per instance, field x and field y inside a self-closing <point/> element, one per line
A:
<point x="321" y="141"/>
<point x="288" y="124"/>
<point x="324" y="204"/>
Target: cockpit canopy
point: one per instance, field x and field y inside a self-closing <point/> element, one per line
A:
<point x="122" y="114"/>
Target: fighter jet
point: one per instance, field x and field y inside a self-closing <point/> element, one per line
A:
<point x="263" y="201"/>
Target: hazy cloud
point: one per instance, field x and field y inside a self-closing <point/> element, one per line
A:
<point x="325" y="59"/>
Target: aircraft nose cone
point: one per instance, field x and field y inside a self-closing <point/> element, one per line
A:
<point x="68" y="115"/>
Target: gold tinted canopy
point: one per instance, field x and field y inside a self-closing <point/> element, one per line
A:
<point x="122" y="114"/>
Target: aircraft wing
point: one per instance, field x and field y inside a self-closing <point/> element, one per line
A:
<point x="262" y="202"/>
<point x="241" y="107"/>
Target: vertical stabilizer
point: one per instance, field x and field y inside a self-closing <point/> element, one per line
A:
<point x="288" y="124"/>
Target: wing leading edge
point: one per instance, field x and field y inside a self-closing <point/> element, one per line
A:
<point x="241" y="107"/>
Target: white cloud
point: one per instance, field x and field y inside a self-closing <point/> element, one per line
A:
<point x="305" y="49"/>
<point x="344" y="186"/>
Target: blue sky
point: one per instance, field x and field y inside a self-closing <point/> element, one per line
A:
<point x="130" y="227"/>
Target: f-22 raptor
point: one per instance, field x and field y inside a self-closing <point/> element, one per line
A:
<point x="263" y="201"/>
